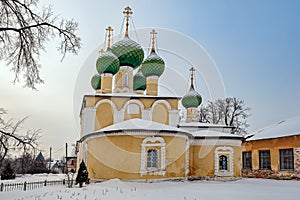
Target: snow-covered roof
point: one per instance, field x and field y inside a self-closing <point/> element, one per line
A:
<point x="214" y="134"/>
<point x="283" y="128"/>
<point x="201" y="124"/>
<point x="141" y="124"/>
<point x="138" y="125"/>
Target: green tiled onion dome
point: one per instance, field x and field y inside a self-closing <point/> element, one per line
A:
<point x="153" y="65"/>
<point x="139" y="81"/>
<point x="128" y="52"/>
<point x="192" y="99"/>
<point x="96" y="82"/>
<point x="108" y="63"/>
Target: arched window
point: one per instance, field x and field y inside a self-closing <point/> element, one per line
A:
<point x="224" y="161"/>
<point x="152" y="158"/>
<point x="223" y="164"/>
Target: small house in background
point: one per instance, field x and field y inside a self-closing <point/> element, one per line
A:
<point x="273" y="152"/>
<point x="39" y="165"/>
<point x="55" y="166"/>
<point x="71" y="163"/>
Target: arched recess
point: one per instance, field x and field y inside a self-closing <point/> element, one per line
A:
<point x="105" y="110"/>
<point x="160" y="112"/>
<point x="133" y="109"/>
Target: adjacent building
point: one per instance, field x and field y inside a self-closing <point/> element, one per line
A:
<point x="273" y="152"/>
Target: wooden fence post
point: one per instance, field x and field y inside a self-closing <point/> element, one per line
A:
<point x="24" y="186"/>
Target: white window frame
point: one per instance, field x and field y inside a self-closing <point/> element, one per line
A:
<point x="153" y="143"/>
<point x="228" y="152"/>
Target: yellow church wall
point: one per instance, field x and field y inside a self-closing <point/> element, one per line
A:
<point x="152" y="86"/>
<point x="120" y="77"/>
<point x="106" y="83"/>
<point x="120" y="101"/>
<point x="274" y="145"/>
<point x="120" y="156"/>
<point x="202" y="160"/>
<point x="102" y="120"/>
<point x="160" y="114"/>
<point x="105" y="111"/>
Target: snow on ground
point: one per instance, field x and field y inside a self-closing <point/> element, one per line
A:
<point x="35" y="178"/>
<point x="246" y="189"/>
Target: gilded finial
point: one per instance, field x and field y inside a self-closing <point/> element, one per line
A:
<point x="101" y="51"/>
<point x="109" y="29"/>
<point x="127" y="12"/>
<point x="192" y="70"/>
<point x="153" y="33"/>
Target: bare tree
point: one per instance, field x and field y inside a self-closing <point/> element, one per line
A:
<point x="23" y="33"/>
<point x="230" y="111"/>
<point x="13" y="139"/>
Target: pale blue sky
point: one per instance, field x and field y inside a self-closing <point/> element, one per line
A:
<point x="255" y="45"/>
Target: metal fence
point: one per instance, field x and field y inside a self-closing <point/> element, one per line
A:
<point x="29" y="185"/>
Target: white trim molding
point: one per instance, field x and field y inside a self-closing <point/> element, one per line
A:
<point x="114" y="107"/>
<point x="187" y="157"/>
<point x="228" y="152"/>
<point x="106" y="101"/>
<point x="148" y="143"/>
<point x="135" y="101"/>
<point x="134" y="133"/>
<point x="166" y="103"/>
<point x="122" y="90"/>
<point x="86" y="153"/>
<point x="88" y="120"/>
<point x="171" y="113"/>
<point x="146" y="114"/>
<point x="216" y="141"/>
<point x="173" y="117"/>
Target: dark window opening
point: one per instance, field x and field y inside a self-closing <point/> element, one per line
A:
<point x="264" y="159"/>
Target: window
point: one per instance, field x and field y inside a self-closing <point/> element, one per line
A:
<point x="247" y="160"/>
<point x="264" y="159"/>
<point x="286" y="159"/>
<point x="223" y="163"/>
<point x="152" y="158"/>
<point x="125" y="80"/>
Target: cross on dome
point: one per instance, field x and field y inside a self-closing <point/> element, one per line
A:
<point x="109" y="29"/>
<point x="153" y="33"/>
<point x="192" y="70"/>
<point x="127" y="12"/>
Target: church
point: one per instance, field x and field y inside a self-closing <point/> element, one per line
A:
<point x="132" y="132"/>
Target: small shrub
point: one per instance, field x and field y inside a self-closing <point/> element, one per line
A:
<point x="8" y="173"/>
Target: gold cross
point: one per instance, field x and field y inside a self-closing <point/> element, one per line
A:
<point x="192" y="70"/>
<point x="109" y="30"/>
<point x="153" y="33"/>
<point x="127" y="12"/>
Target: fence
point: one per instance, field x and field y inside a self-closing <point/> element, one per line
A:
<point x="29" y="185"/>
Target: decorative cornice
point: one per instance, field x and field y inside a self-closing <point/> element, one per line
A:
<point x="135" y="133"/>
